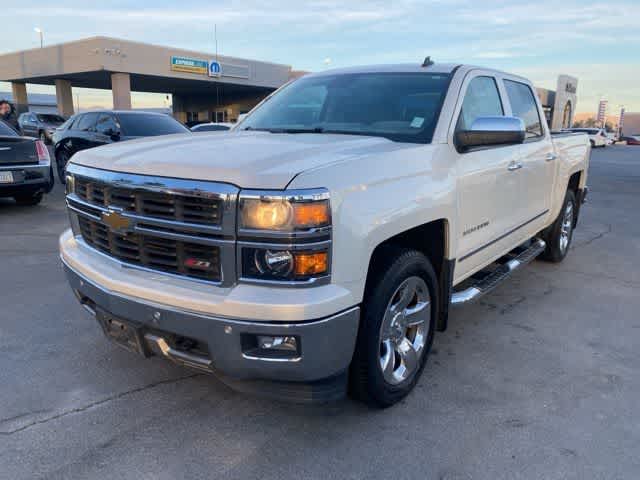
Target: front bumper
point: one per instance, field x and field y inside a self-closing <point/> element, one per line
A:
<point x="28" y="179"/>
<point x="318" y="373"/>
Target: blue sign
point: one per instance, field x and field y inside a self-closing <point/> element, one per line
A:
<point x="215" y="70"/>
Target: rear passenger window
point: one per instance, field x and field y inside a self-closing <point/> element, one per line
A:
<point x="523" y="105"/>
<point x="481" y="100"/>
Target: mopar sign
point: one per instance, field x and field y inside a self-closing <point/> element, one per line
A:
<point x="215" y="69"/>
<point x="189" y="65"/>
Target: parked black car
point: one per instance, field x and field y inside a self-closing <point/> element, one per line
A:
<point x="92" y="129"/>
<point x="41" y="125"/>
<point x="25" y="167"/>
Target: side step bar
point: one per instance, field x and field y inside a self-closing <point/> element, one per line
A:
<point x="485" y="285"/>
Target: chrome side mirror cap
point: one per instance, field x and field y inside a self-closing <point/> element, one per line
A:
<point x="491" y="131"/>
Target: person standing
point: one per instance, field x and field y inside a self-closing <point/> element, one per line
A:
<point x="8" y="115"/>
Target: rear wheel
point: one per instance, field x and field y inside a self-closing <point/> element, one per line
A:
<point x="396" y="329"/>
<point x="28" y="200"/>
<point x="62" y="158"/>
<point x="560" y="234"/>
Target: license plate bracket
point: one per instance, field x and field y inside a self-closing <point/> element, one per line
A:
<point x="122" y="332"/>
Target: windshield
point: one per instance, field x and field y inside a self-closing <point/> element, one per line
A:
<point x="141" y="125"/>
<point x="402" y="107"/>
<point x="50" y="118"/>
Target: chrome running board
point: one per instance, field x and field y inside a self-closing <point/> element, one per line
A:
<point x="484" y="285"/>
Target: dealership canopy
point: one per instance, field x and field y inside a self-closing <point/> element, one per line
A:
<point x="202" y="84"/>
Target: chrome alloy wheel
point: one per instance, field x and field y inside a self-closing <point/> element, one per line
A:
<point x="566" y="227"/>
<point x="404" y="330"/>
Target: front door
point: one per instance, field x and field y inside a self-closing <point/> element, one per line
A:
<point x="488" y="184"/>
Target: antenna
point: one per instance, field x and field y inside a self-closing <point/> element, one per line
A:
<point x="427" y="62"/>
<point x="215" y="36"/>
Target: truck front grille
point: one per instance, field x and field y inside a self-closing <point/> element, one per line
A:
<point x="166" y="255"/>
<point x="175" y="226"/>
<point x="167" y="206"/>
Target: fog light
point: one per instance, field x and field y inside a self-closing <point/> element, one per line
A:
<point x="282" y="344"/>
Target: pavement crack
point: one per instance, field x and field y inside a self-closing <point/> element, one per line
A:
<point x="97" y="403"/>
<point x="596" y="237"/>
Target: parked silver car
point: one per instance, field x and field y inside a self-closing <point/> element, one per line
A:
<point x="41" y="125"/>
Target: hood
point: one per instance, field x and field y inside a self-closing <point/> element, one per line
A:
<point x="247" y="159"/>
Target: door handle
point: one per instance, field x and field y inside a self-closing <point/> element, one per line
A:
<point x="514" y="166"/>
<point x="551" y="157"/>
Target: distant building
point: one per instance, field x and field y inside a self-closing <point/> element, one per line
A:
<point x="203" y="85"/>
<point x="38" y="102"/>
<point x="631" y="123"/>
<point x="560" y="105"/>
<point x="601" y="118"/>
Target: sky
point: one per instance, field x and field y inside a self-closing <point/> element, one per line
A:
<point x="597" y="42"/>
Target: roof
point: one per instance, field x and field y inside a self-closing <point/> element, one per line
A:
<point x="397" y="68"/>
<point x="444" y="68"/>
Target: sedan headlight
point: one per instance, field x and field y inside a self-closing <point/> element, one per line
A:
<point x="285" y="236"/>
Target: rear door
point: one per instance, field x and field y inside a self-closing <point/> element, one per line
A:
<point x="488" y="187"/>
<point x="538" y="159"/>
<point x="29" y="125"/>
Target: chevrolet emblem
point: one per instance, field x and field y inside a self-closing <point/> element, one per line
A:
<point x="116" y="221"/>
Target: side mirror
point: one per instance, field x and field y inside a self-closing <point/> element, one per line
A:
<point x="113" y="134"/>
<point x="486" y="131"/>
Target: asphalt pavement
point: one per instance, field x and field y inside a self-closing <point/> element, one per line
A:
<point x="540" y="380"/>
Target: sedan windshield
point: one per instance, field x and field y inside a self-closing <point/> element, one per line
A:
<point x="402" y="107"/>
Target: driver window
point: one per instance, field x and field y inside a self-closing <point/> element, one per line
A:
<point x="481" y="100"/>
<point x="107" y="125"/>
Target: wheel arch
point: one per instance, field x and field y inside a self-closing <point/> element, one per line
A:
<point x="433" y="240"/>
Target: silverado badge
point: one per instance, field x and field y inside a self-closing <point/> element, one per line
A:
<point x="116" y="221"/>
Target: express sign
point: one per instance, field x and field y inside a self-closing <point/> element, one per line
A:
<point x="189" y="65"/>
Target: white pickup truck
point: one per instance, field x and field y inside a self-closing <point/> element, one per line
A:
<point x="315" y="249"/>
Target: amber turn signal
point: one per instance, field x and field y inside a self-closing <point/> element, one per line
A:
<point x="311" y="264"/>
<point x="308" y="215"/>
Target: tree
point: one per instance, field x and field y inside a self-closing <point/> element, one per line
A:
<point x="587" y="123"/>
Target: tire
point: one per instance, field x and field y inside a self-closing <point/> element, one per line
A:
<point x="43" y="137"/>
<point x="398" y="321"/>
<point x="560" y="234"/>
<point x="29" y="200"/>
<point x="593" y="144"/>
<point x="62" y="157"/>
<point x="52" y="182"/>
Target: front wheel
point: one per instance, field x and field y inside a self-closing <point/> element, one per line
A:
<point x="560" y="233"/>
<point x="396" y="329"/>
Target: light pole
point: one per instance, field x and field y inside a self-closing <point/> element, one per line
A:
<point x="41" y="33"/>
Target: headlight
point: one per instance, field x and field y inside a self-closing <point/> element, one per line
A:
<point x="284" y="212"/>
<point x="285" y="236"/>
